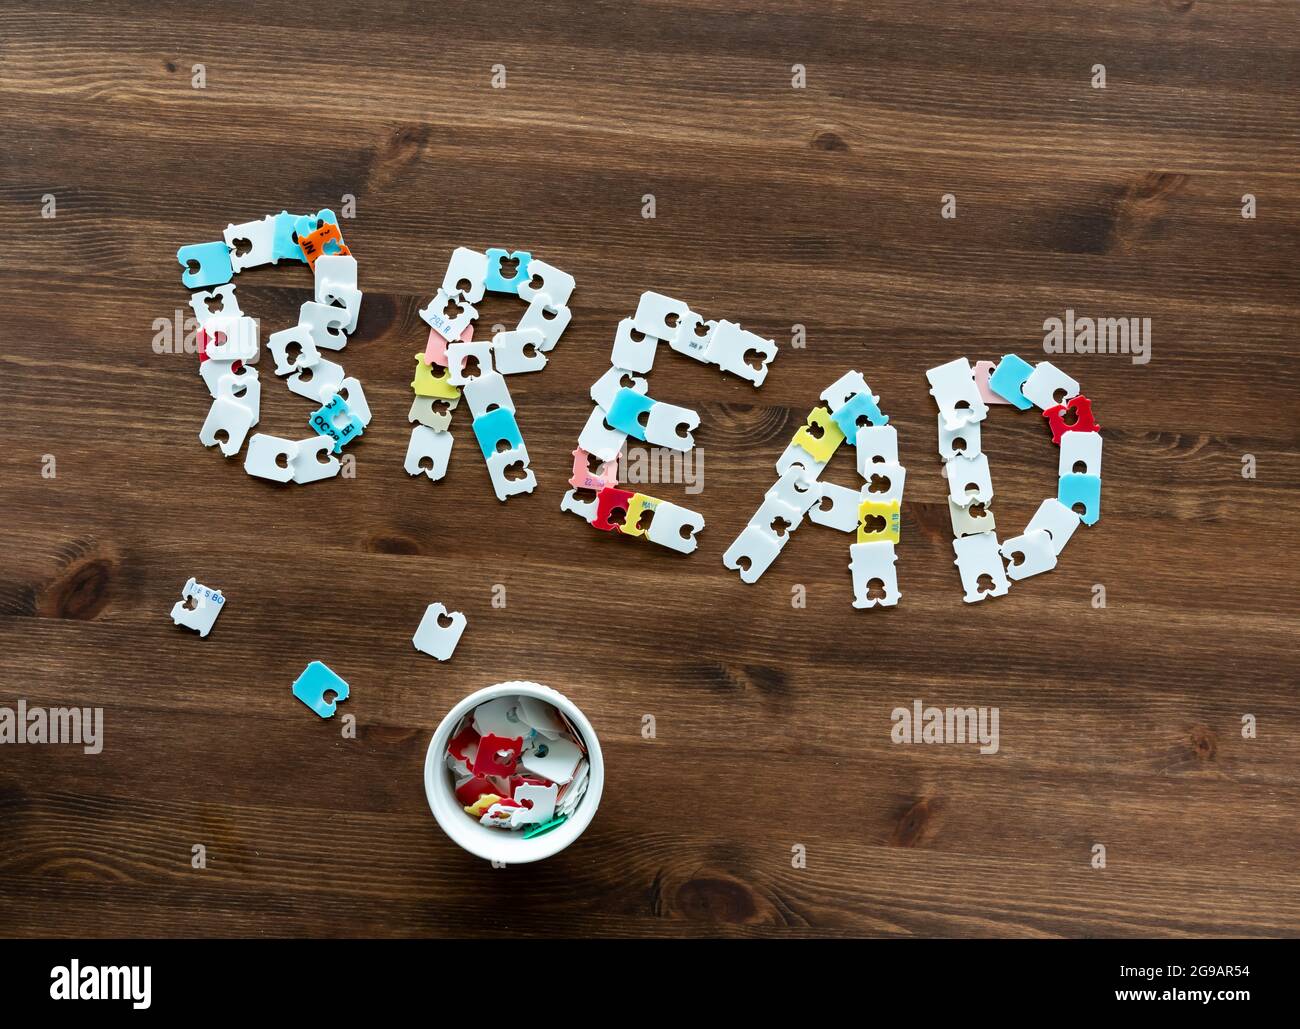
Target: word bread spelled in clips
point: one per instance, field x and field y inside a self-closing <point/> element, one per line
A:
<point x="455" y="366"/>
<point x="964" y="395"/>
<point x="848" y="413"/>
<point x="228" y="344"/>
<point x="517" y="763"/>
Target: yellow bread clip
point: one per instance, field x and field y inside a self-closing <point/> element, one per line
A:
<point x="822" y="446"/>
<point x="888" y="510"/>
<point x="480" y="806"/>
<point x="639" y="504"/>
<point x="426" y="384"/>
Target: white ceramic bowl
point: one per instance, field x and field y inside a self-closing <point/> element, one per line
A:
<point x="505" y="846"/>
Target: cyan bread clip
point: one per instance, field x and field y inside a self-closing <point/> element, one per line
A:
<point x="497" y="427"/>
<point x="317" y="680"/>
<point x="849" y="417"/>
<point x="285" y="246"/>
<point x="1082" y="490"/>
<point x="1008" y="379"/>
<point x="205" y="264"/>
<point x="496" y="282"/>
<point x="626" y="412"/>
<point x="336" y="421"/>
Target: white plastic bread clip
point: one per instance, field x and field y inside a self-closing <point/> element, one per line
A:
<point x="435" y="638"/>
<point x="518" y="351"/>
<point x="675" y="527"/>
<point x="753" y="551"/>
<point x="731" y="347"/>
<point x="953" y="387"/>
<point x="207" y="604"/>
<point x="270" y="457"/>
<point x="428" y="445"/>
<point x="1044" y="382"/>
<point x="315" y="460"/>
<point x="979" y="556"/>
<point x="504" y="485"/>
<point x="870" y="563"/>
<point x="636" y="355"/>
<point x="1029" y="554"/>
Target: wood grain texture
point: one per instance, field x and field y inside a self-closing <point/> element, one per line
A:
<point x="775" y="206"/>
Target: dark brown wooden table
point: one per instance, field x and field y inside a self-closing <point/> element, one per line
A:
<point x="775" y="206"/>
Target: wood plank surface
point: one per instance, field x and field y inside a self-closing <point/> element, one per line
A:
<point x="775" y="206"/>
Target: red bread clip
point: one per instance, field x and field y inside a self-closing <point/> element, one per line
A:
<point x="467" y="793"/>
<point x="1083" y="421"/>
<point x="464" y="744"/>
<point x="608" y="501"/>
<point x="313" y="244"/>
<point x="498" y="755"/>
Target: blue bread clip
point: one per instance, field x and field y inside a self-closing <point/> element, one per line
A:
<point x="1081" y="489"/>
<point x="306" y="224"/>
<point x="211" y="262"/>
<point x="317" y="680"/>
<point x="628" y="405"/>
<point x="325" y="421"/>
<point x="848" y="414"/>
<point x="286" y="246"/>
<point x="1008" y="377"/>
<point x="494" y="427"/>
<point x="495" y="282"/>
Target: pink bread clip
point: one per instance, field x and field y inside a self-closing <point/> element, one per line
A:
<point x="436" y="350"/>
<point x="983" y="369"/>
<point x="583" y="477"/>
